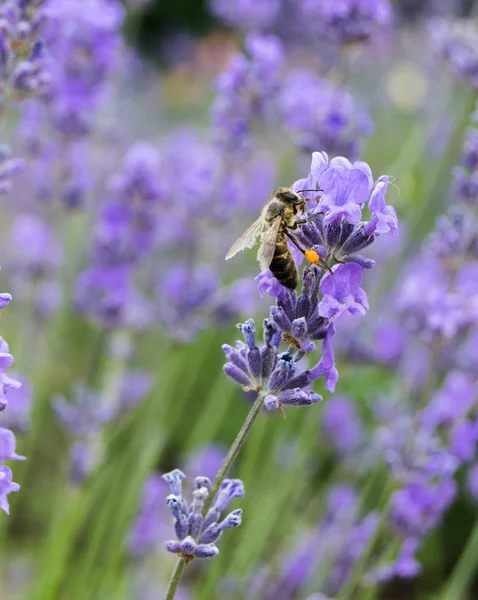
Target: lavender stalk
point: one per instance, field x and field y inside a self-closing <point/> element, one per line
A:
<point x="229" y="461"/>
<point x="336" y="233"/>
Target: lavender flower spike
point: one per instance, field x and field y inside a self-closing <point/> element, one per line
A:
<point x="174" y="479"/>
<point x="196" y="535"/>
<point x="272" y="374"/>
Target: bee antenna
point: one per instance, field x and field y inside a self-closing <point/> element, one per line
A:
<point x="298" y="192"/>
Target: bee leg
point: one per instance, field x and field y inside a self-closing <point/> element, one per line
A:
<point x="307" y="220"/>
<point x="310" y="255"/>
<point x="294" y="241"/>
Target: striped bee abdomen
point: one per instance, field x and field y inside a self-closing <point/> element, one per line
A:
<point x="283" y="266"/>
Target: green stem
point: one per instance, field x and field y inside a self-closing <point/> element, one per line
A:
<point x="230" y="459"/>
<point x="175" y="579"/>
<point x="464" y="570"/>
<point x="234" y="450"/>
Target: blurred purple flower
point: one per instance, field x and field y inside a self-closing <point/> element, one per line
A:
<point x="342" y="425"/>
<point x="342" y="292"/>
<point x="207" y="460"/>
<point x="85" y="415"/>
<point x="197" y="534"/>
<point x="246" y="14"/>
<point x="6" y="487"/>
<point x="347" y="21"/>
<point x="322" y="116"/>
<point x="455" y="44"/>
<point x="150" y="525"/>
<point x="17" y="417"/>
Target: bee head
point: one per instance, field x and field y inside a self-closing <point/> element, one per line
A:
<point x="287" y="195"/>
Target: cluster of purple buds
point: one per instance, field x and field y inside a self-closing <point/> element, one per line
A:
<point x="84" y="43"/>
<point x="196" y="533"/>
<point x="456" y="45"/>
<point x="7" y="437"/>
<point x="330" y="550"/>
<point x="23" y="57"/>
<point x="247" y="15"/>
<point x="439" y="299"/>
<point x="84" y="418"/>
<point x="423" y="469"/>
<point x="9" y="166"/>
<point x="35" y="260"/>
<point x="338" y="232"/>
<point x="276" y="375"/>
<point x="466" y="175"/>
<point x="347" y="21"/>
<point x="245" y="91"/>
<point x="319" y="115"/>
<point x="125" y="233"/>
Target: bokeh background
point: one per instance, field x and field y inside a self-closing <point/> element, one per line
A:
<point x="122" y="372"/>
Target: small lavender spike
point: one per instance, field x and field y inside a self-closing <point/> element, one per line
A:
<point x="173" y="546"/>
<point x="248" y="330"/>
<point x="211" y="534"/>
<point x="195" y="517"/>
<point x="174" y="479"/>
<point x="230" y="489"/>
<point x="203" y="482"/>
<point x="206" y="551"/>
<point x="188" y="545"/>
<point x="175" y="505"/>
<point x="233" y="519"/>
<point x="181" y="527"/>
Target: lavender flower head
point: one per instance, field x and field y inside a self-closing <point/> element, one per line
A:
<point x="245" y="90"/>
<point x="7" y="437"/>
<point x="456" y="44"/>
<point x="196" y="533"/>
<point x="348" y="21"/>
<point x="246" y="14"/>
<point x="276" y="375"/>
<point x="322" y="116"/>
<point x="336" y="229"/>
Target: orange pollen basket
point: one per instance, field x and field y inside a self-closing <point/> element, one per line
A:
<point x="312" y="256"/>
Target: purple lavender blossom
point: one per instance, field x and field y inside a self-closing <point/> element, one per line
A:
<point x="17" y="417"/>
<point x="9" y="167"/>
<point x="150" y="524"/>
<point x="342" y="292"/>
<point x="24" y="65"/>
<point x="107" y="296"/>
<point x="197" y="534"/>
<point x="348" y="21"/>
<point x="246" y="14"/>
<point x="455" y="44"/>
<point x="272" y="374"/>
<point x="335" y="229"/>
<point x="298" y="317"/>
<point x="7" y="383"/>
<point x="245" y="90"/>
<point x="452" y="402"/>
<point x="85" y="415"/>
<point x="342" y="425"/>
<point x="84" y="44"/>
<point x="185" y="293"/>
<point x="8" y="445"/>
<point x="6" y="487"/>
<point x="322" y="116"/>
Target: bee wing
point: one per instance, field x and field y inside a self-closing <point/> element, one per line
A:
<point x="247" y="239"/>
<point x="268" y="244"/>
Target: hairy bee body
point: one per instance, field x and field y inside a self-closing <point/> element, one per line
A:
<point x="277" y="217"/>
<point x="282" y="266"/>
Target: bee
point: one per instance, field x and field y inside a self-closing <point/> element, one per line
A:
<point x="278" y="216"/>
